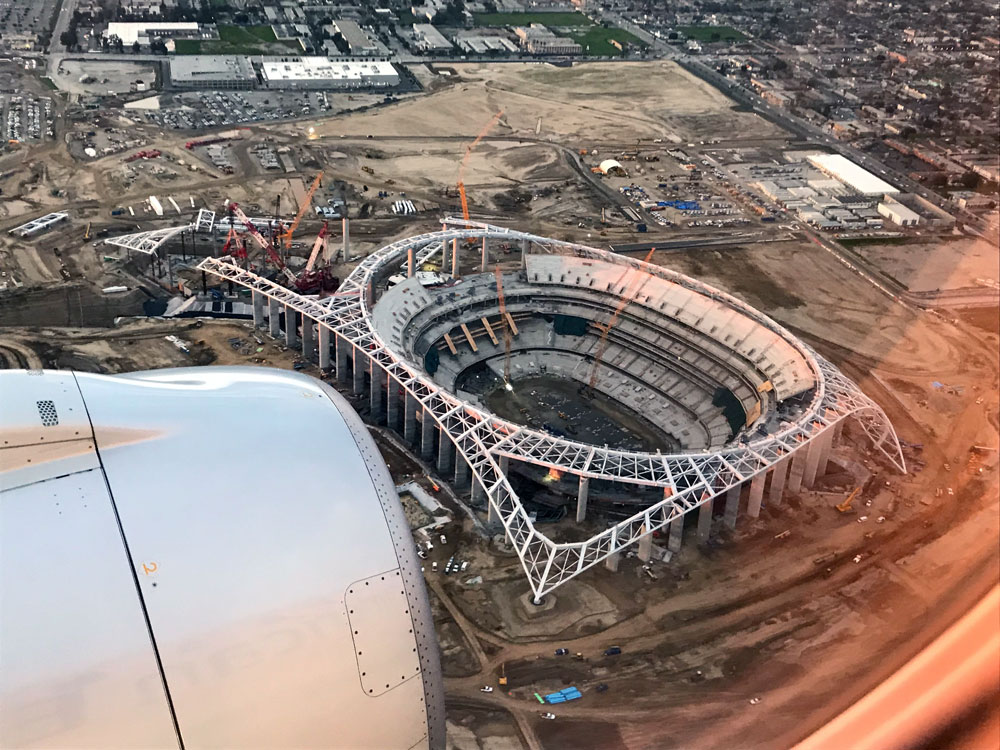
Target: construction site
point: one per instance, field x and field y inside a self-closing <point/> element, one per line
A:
<point x="698" y="463"/>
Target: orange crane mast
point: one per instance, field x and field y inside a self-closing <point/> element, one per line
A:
<point x="303" y="207"/>
<point x="627" y="297"/>
<point x="465" y="161"/>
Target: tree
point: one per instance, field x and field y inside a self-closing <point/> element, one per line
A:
<point x="135" y="47"/>
<point x="68" y="38"/>
<point x="969" y="180"/>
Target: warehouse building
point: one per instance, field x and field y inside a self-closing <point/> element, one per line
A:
<point x="897" y="213"/>
<point x="357" y="39"/>
<point x="143" y="32"/>
<point x="326" y="73"/>
<point x="849" y="173"/>
<point x="429" y="39"/>
<point x="212" y="72"/>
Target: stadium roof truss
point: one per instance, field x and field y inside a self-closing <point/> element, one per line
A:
<point x="147" y="242"/>
<point x="487" y="441"/>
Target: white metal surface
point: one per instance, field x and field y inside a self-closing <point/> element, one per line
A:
<point x="689" y="479"/>
<point x="231" y="569"/>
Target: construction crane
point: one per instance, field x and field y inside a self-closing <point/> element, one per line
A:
<point x="505" y="320"/>
<point x="303" y="207"/>
<point x="86" y="235"/>
<point x="465" y="161"/>
<point x="319" y="279"/>
<point x="266" y="246"/>
<point x="627" y="297"/>
<point x="845" y="506"/>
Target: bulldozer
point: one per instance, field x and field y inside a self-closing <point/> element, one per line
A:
<point x="845" y="507"/>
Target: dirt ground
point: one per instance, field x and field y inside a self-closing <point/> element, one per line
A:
<point x="951" y="263"/>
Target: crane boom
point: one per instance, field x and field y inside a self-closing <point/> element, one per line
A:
<point x="627" y="297"/>
<point x="261" y="240"/>
<point x="505" y="319"/>
<point x="465" y="161"/>
<point x="317" y="246"/>
<point x="303" y="207"/>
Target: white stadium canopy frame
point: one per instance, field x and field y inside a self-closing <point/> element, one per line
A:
<point x="487" y="442"/>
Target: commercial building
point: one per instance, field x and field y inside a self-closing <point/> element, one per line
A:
<point x="539" y="40"/>
<point x="849" y="173"/>
<point x="429" y="39"/>
<point x="326" y="73"/>
<point x="212" y="71"/>
<point x="142" y="31"/>
<point x="897" y="213"/>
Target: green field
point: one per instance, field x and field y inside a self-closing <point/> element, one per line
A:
<point x="711" y="33"/>
<point x="237" y="40"/>
<point x="523" y="19"/>
<point x="596" y="41"/>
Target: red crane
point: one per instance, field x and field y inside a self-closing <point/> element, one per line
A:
<point x="266" y="246"/>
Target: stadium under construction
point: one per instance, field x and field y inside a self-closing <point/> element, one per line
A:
<point x="557" y="381"/>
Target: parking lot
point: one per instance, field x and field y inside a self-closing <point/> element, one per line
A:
<point x="205" y="109"/>
<point x="26" y="118"/>
<point x="26" y="24"/>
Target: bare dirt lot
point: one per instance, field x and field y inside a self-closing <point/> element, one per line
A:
<point x="950" y="263"/>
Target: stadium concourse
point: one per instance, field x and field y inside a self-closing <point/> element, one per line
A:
<point x="741" y="403"/>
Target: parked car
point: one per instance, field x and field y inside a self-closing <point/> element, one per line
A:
<point x="613" y="651"/>
<point x="548" y="715"/>
<point x="562" y="651"/>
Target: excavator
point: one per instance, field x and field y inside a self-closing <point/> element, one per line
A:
<point x="845" y="506"/>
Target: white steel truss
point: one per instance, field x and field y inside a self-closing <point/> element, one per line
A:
<point x="688" y="479"/>
<point x="147" y="242"/>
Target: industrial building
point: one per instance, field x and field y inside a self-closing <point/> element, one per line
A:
<point x="849" y="173"/>
<point x="897" y="213"/>
<point x="130" y="32"/>
<point x="357" y="39"/>
<point x="429" y="39"/>
<point x="212" y="72"/>
<point x="326" y="73"/>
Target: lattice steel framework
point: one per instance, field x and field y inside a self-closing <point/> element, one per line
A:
<point x="147" y="242"/>
<point x="688" y="479"/>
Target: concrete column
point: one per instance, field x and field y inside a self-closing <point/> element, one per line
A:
<point x="676" y="534"/>
<point x="486" y="257"/>
<point x="732" y="506"/>
<point x="410" y="264"/>
<point x="813" y="451"/>
<point x="324" y="347"/>
<point x="797" y="471"/>
<point x="455" y="269"/>
<point x="358" y="370"/>
<point x="426" y="435"/>
<point x="645" y="546"/>
<point x="291" y="327"/>
<point x="525" y="244"/>
<point x="445" y="258"/>
<point x="612" y="560"/>
<point x="409" y="418"/>
<point x="346" y="225"/>
<point x="756" y="494"/>
<point x="308" y="338"/>
<point x="824" y="455"/>
<point x="392" y="402"/>
<point x="705" y="520"/>
<point x="581" y="499"/>
<point x="375" y="393"/>
<point x="258" y="309"/>
<point x="274" y="317"/>
<point x="343" y="348"/>
<point x="462" y="470"/>
<point x="445" y="451"/>
<point x="779" y="473"/>
<point x="838" y="430"/>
